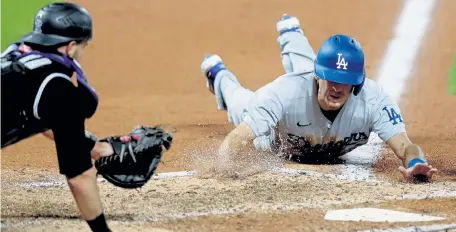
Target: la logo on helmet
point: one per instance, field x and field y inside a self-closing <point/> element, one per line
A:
<point x="341" y="62"/>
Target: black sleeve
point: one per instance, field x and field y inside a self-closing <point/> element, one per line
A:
<point x="61" y="108"/>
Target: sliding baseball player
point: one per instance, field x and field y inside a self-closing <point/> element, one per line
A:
<point x="322" y="108"/>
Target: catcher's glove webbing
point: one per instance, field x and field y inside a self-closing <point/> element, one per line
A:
<point x="136" y="156"/>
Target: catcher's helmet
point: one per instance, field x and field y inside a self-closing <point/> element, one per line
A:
<point x="60" y="23"/>
<point x="341" y="60"/>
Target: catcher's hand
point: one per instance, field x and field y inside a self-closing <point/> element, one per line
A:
<point x="136" y="156"/>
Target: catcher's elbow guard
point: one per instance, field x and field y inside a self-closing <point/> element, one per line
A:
<point x="136" y="156"/>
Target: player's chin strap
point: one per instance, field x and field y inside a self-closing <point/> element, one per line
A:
<point x="357" y="88"/>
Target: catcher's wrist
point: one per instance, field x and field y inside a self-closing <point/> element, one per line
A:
<point x="99" y="224"/>
<point x="415" y="161"/>
<point x="102" y="149"/>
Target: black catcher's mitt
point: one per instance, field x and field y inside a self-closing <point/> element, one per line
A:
<point x="136" y="156"/>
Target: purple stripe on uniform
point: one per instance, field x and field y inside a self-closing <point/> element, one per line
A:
<point x="69" y="63"/>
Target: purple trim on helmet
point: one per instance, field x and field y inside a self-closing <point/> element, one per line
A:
<point x="68" y="63"/>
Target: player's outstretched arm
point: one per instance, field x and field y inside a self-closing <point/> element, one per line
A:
<point x="261" y="117"/>
<point x="415" y="166"/>
<point x="389" y="125"/>
<point x="237" y="144"/>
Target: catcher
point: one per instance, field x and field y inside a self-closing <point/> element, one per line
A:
<point x="38" y="96"/>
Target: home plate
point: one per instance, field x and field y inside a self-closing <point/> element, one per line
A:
<point x="376" y="215"/>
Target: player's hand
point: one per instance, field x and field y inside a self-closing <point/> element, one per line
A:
<point x="421" y="172"/>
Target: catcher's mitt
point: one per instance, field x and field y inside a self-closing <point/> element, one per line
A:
<point x="136" y="156"/>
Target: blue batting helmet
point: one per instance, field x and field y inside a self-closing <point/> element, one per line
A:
<point x="341" y="60"/>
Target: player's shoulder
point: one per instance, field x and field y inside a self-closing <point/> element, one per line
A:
<point x="31" y="60"/>
<point x="59" y="81"/>
<point x="52" y="79"/>
<point x="33" y="69"/>
<point x="293" y="85"/>
<point x="54" y="93"/>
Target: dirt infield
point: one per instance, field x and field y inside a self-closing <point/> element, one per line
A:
<point x="144" y="63"/>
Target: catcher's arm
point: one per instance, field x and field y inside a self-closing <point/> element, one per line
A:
<point x="59" y="105"/>
<point x="116" y="156"/>
<point x="100" y="149"/>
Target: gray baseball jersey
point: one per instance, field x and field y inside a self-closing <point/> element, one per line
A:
<point x="285" y="112"/>
<point x="288" y="109"/>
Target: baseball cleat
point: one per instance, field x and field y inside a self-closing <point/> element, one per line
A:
<point x="288" y="24"/>
<point x="211" y="65"/>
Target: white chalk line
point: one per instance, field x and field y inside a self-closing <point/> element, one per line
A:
<point x="402" y="49"/>
<point x="167" y="175"/>
<point x="435" y="194"/>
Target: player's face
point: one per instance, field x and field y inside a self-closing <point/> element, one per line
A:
<point x="76" y="50"/>
<point x="332" y="95"/>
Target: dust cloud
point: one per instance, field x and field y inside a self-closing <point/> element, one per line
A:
<point x="209" y="164"/>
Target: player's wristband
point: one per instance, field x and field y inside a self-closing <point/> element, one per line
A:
<point x="415" y="161"/>
<point x="99" y="224"/>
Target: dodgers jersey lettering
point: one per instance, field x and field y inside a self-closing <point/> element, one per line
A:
<point x="287" y="108"/>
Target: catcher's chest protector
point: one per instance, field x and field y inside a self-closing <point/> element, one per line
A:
<point x="24" y="75"/>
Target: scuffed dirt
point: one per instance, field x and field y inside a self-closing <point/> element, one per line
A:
<point x="190" y="197"/>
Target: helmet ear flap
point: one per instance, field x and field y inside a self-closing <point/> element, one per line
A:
<point x="358" y="88"/>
